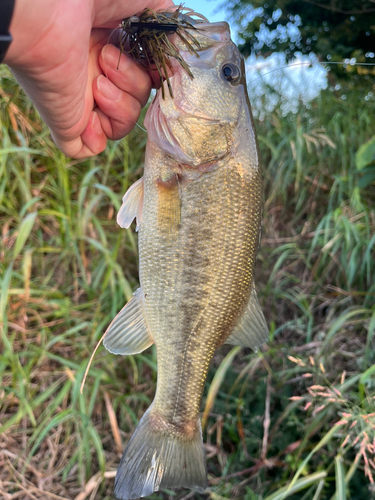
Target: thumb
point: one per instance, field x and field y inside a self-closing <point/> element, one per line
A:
<point x="110" y="14"/>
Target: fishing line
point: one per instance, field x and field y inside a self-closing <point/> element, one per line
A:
<point x="309" y="64"/>
<point x="144" y="130"/>
<point x="112" y="32"/>
<point x="348" y="63"/>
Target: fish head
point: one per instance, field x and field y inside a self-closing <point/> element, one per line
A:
<point x="198" y="125"/>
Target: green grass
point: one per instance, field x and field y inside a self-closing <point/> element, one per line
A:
<point x="67" y="268"/>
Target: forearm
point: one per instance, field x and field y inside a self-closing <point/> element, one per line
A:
<point x="35" y="22"/>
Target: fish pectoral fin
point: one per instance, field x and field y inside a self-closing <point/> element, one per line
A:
<point x="132" y="205"/>
<point x="251" y="330"/>
<point x="128" y="332"/>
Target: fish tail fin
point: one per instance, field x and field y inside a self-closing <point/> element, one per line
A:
<point x="154" y="460"/>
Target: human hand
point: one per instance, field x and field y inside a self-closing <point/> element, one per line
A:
<point x="60" y="56"/>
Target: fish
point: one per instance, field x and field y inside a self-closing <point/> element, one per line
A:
<point x="198" y="209"/>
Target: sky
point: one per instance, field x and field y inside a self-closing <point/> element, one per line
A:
<point x="301" y="80"/>
<point x="207" y="8"/>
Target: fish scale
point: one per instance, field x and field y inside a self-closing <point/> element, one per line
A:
<point x="222" y="297"/>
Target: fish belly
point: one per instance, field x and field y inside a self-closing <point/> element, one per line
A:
<point x="198" y="242"/>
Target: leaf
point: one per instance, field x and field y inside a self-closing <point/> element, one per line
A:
<point x="340" y="321"/>
<point x="5" y="151"/>
<point x="318" y="490"/>
<point x="368" y="177"/>
<point x="58" y="419"/>
<point x="301" y="484"/>
<point x="34" y="403"/>
<point x="371" y="330"/>
<point x="98" y="446"/>
<point x="24" y="232"/>
<point x="365" y="154"/>
<point x="217" y="381"/>
<point x="363" y="379"/>
<point x="326" y="438"/>
<point x="4" y="292"/>
<point x="113" y="196"/>
<point x="340" y="479"/>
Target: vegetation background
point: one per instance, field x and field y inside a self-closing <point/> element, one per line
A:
<point x="295" y="420"/>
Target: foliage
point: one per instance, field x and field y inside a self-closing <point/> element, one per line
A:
<point x="365" y="161"/>
<point x="332" y="30"/>
<point x="280" y="423"/>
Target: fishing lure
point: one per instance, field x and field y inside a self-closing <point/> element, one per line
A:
<point x="145" y="38"/>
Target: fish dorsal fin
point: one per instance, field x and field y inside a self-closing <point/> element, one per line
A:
<point x="128" y="332"/>
<point x="132" y="205"/>
<point x="251" y="330"/>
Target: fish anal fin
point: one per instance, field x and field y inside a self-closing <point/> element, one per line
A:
<point x="132" y="205"/>
<point x="128" y="332"/>
<point x="251" y="329"/>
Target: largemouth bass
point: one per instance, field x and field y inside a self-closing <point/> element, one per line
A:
<point x="198" y="209"/>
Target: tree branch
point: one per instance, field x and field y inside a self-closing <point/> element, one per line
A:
<point x="346" y="12"/>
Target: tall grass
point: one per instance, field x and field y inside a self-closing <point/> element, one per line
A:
<point x="66" y="269"/>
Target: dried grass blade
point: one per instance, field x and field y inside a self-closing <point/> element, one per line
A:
<point x="217" y="381"/>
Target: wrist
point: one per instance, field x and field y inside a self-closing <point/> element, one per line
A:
<point x="21" y="29"/>
<point x="6" y="11"/>
<point x="29" y="21"/>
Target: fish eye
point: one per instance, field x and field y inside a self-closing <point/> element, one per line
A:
<point x="231" y="73"/>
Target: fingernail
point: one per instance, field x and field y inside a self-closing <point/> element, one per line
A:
<point x="108" y="89"/>
<point x="110" y="54"/>
<point x="95" y="123"/>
